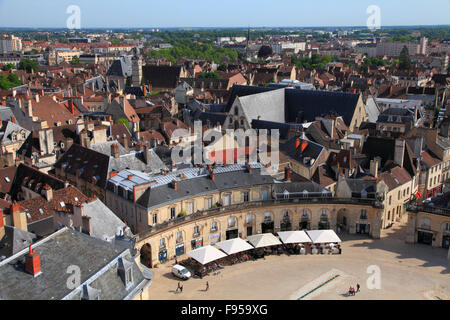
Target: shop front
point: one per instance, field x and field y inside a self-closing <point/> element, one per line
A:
<point x="446" y="241"/>
<point x="179" y="249"/>
<point x="197" y="243"/>
<point x="363" y="228"/>
<point x="232" y="234"/>
<point x="214" y="238"/>
<point x="268" y="227"/>
<point x="425" y="237"/>
<point x="162" y="255"/>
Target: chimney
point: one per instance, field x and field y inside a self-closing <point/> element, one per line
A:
<point x="297" y="143"/>
<point x="33" y="263"/>
<point x="374" y="168"/>
<point x="390" y="90"/>
<point x="13" y="119"/>
<point x="175" y="185"/>
<point x="71" y="107"/>
<point x="2" y="225"/>
<point x="36" y="97"/>
<point x="115" y="150"/>
<point x="125" y="141"/>
<point x="146" y="154"/>
<point x="144" y="88"/>
<point x="87" y="142"/>
<point x="287" y="174"/>
<point x="86" y="225"/>
<point x="399" y="152"/>
<point x="19" y="217"/>
<point x="48" y="192"/>
<point x="122" y="102"/>
<point x="29" y="108"/>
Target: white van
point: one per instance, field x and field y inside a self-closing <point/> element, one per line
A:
<point x="181" y="272"/>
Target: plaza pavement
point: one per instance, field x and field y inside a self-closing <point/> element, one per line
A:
<point x="407" y="272"/>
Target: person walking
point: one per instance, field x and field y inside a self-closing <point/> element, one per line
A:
<point x="207" y="286"/>
<point x="358" y="287"/>
<point x="179" y="287"/>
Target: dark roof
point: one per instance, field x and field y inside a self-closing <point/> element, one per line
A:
<point x="88" y="163"/>
<point x="120" y="68"/>
<point x="6" y="179"/>
<point x="136" y="91"/>
<point x="161" y="76"/>
<point x="308" y="103"/>
<point x="33" y="179"/>
<point x="98" y="262"/>
<point x="14" y="240"/>
<point x="203" y="185"/>
<point x="310" y="150"/>
<point x="210" y="117"/>
<point x="270" y="125"/>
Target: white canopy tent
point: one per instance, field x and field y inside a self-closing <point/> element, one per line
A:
<point x="206" y="254"/>
<point x="323" y="236"/>
<point x="294" y="237"/>
<point x="263" y="240"/>
<point x="233" y="246"/>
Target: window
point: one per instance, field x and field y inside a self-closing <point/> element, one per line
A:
<point x="246" y="196"/>
<point x="324" y="214"/>
<point x="267" y="217"/>
<point x="227" y="199"/>
<point x="208" y="203"/>
<point x="265" y="195"/>
<point x="447" y="227"/>
<point x="196" y="230"/>
<point x="162" y="243"/>
<point x="231" y="222"/>
<point x="249" y="218"/>
<point x="390" y="200"/>
<point x="363" y="214"/>
<point x="305" y="214"/>
<point x="179" y="236"/>
<point x="190" y="208"/>
<point x="172" y="213"/>
<point x="425" y="223"/>
<point x="214" y="226"/>
<point x="155" y="218"/>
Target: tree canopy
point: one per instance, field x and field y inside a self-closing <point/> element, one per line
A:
<point x="11" y="81"/>
<point x="315" y="62"/>
<point x="7" y="67"/>
<point x="75" y="60"/>
<point x="29" y="65"/>
<point x="405" y="60"/>
<point x="209" y="75"/>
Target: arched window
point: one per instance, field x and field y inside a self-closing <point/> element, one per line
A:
<point x="305" y="214"/>
<point x="231" y="222"/>
<point x="447" y="227"/>
<point x="324" y="214"/>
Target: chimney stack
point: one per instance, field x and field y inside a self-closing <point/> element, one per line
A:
<point x="287" y="174"/>
<point x="19" y="217"/>
<point x="2" y="224"/>
<point x="48" y="192"/>
<point x="125" y="141"/>
<point x="399" y="152"/>
<point x="175" y="185"/>
<point x="115" y="150"/>
<point x="297" y="143"/>
<point x="146" y="154"/>
<point x="33" y="263"/>
<point x="374" y="168"/>
<point x="86" y="225"/>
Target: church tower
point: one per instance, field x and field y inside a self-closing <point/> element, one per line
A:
<point x="136" y="69"/>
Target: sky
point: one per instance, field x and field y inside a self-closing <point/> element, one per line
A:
<point x="217" y="13"/>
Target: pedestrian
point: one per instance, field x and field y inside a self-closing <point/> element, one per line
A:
<point x="207" y="286"/>
<point x="179" y="287"/>
<point x="357" y="287"/>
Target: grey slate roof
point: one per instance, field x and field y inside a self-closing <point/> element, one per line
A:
<point x="10" y="128"/>
<point x="308" y="103"/>
<point x="6" y="113"/>
<point x="104" y="222"/>
<point x="105" y="147"/>
<point x="14" y="241"/>
<point x="98" y="262"/>
<point x="120" y="68"/>
<point x="136" y="161"/>
<point x="268" y="106"/>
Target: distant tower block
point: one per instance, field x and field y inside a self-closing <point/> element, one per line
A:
<point x="136" y="69"/>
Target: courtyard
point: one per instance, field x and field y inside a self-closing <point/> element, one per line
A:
<point x="407" y="271"/>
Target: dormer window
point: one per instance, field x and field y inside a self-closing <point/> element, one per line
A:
<point x="125" y="270"/>
<point x="89" y="293"/>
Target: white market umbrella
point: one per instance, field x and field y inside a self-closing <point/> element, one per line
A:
<point x="294" y="237"/>
<point x="263" y="240"/>
<point x="323" y="236"/>
<point x="206" y="254"/>
<point x="234" y="246"/>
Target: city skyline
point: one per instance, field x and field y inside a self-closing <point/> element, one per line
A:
<point x="200" y="14"/>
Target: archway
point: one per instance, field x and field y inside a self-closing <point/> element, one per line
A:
<point x="146" y="255"/>
<point x="305" y="220"/>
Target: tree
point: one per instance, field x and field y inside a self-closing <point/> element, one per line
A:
<point x="75" y="60"/>
<point x="125" y="122"/>
<point x="9" y="82"/>
<point x="7" y="67"/>
<point x="208" y="75"/>
<point x="405" y="60"/>
<point x="264" y="52"/>
<point x="29" y="65"/>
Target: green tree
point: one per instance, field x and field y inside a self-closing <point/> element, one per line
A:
<point x="8" y="66"/>
<point x="125" y="122"/>
<point x="208" y="75"/>
<point x="29" y="65"/>
<point x="75" y="60"/>
<point x="405" y="60"/>
<point x="9" y="82"/>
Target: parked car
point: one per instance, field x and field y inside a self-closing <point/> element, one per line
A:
<point x="181" y="272"/>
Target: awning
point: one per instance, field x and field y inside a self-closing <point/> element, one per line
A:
<point x="263" y="240"/>
<point x="234" y="246"/>
<point x="294" y="237"/>
<point x="323" y="236"/>
<point x="206" y="254"/>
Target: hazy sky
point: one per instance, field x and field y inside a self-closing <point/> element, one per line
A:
<point x="218" y="13"/>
